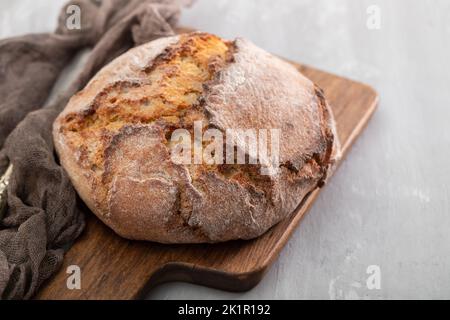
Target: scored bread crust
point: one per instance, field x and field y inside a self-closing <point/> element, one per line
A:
<point x="118" y="158"/>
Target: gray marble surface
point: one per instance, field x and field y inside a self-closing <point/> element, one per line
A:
<point x="388" y="204"/>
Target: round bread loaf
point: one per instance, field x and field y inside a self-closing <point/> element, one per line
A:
<point x="114" y="139"/>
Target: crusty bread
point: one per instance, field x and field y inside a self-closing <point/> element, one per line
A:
<point x="113" y="140"/>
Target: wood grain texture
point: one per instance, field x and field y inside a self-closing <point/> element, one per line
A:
<point x="116" y="268"/>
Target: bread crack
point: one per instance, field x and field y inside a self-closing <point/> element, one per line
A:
<point x="168" y="93"/>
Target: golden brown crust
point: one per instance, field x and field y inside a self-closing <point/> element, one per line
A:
<point x="112" y="139"/>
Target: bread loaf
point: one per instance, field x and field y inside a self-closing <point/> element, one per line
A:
<point x="114" y="139"/>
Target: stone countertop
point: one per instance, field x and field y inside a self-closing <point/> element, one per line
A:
<point x="388" y="204"/>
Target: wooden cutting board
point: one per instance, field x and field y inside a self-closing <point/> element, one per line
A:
<point x="115" y="268"/>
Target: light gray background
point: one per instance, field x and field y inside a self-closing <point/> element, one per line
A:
<point x="388" y="204"/>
